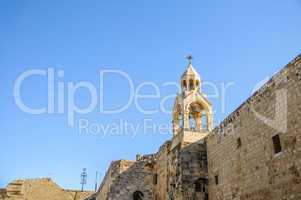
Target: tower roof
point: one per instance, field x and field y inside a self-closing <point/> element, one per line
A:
<point x="190" y="71"/>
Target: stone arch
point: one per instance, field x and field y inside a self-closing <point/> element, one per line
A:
<point x="198" y="116"/>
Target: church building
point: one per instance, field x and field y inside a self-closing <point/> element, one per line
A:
<point x="254" y="154"/>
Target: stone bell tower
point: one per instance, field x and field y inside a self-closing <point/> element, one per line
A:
<point x="192" y="121"/>
<point x="192" y="112"/>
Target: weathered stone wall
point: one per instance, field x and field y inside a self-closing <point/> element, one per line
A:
<point x="187" y="171"/>
<point x="139" y="177"/>
<point x="124" y="178"/>
<point x="241" y="159"/>
<point x="115" y="169"/>
<point x="194" y="172"/>
<point x="37" y="189"/>
<point x="162" y="172"/>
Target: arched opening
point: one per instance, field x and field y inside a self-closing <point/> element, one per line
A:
<point x="198" y="185"/>
<point x="192" y="121"/>
<point x="197" y="83"/>
<point x="180" y="120"/>
<point x="204" y="120"/>
<point x="191" y="84"/>
<point x="197" y="117"/>
<point x="184" y="85"/>
<point x="138" y="195"/>
<point x="201" y="188"/>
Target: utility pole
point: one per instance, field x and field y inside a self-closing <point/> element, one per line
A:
<point x="96" y="181"/>
<point x="83" y="178"/>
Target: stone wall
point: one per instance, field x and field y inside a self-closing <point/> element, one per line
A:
<point x="138" y="178"/>
<point x="37" y="189"/>
<point x="242" y="160"/>
<point x="115" y="169"/>
<point x="162" y="172"/>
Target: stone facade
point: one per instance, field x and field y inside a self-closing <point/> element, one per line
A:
<point x="254" y="154"/>
<point x="40" y="189"/>
<point x="241" y="151"/>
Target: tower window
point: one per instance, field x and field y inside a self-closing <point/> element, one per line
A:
<point x="191" y="84"/>
<point x="155" y="179"/>
<point x="181" y="120"/>
<point x="184" y="84"/>
<point x="277" y="144"/>
<point x="192" y="122"/>
<point x="197" y="83"/>
<point x="204" y="121"/>
<point x="238" y="143"/>
<point x="216" y="179"/>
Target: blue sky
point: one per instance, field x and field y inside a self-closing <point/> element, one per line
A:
<point x="232" y="41"/>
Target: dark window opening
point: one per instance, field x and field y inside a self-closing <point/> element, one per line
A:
<point x="191" y="84"/>
<point x="155" y="179"/>
<point x="238" y="143"/>
<point x="216" y="179"/>
<point x="184" y="84"/>
<point x="197" y="83"/>
<point x="138" y="195"/>
<point x="198" y="186"/>
<point x="277" y="144"/>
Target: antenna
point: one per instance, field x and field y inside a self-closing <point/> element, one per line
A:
<point x="83" y="178"/>
<point x="96" y="179"/>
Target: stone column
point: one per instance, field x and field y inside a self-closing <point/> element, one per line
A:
<point x="186" y="120"/>
<point x="199" y="120"/>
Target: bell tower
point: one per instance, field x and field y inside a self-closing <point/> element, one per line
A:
<point x="192" y="111"/>
<point x="192" y="121"/>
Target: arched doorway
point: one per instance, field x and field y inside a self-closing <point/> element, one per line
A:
<point x="138" y="195"/>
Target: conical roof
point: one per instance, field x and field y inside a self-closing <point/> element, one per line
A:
<point x="190" y="71"/>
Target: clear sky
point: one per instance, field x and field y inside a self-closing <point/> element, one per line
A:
<point x="233" y="41"/>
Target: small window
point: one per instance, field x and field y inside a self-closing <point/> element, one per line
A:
<point x="155" y="179"/>
<point x="238" y="143"/>
<point x="216" y="179"/>
<point x="276" y="144"/>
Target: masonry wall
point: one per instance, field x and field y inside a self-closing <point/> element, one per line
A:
<point x="194" y="172"/>
<point x="162" y="172"/>
<point x="139" y="177"/>
<point x="37" y="189"/>
<point x="249" y="169"/>
<point x="115" y="169"/>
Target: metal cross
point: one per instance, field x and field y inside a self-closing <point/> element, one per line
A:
<point x="189" y="58"/>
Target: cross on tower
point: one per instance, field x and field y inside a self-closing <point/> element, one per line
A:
<point x="189" y="58"/>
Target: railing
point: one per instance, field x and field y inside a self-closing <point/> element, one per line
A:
<point x="202" y="130"/>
